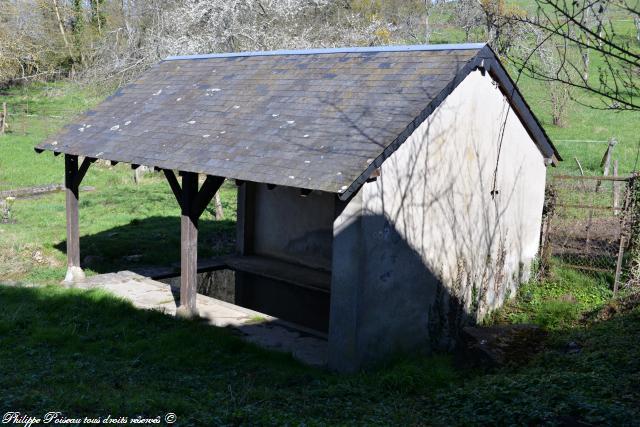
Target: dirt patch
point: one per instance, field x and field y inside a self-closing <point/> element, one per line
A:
<point x="497" y="346"/>
<point x="600" y="235"/>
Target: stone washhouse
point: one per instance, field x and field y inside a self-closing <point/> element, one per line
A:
<point x="404" y="182"/>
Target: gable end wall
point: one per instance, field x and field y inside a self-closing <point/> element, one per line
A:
<point x="437" y="250"/>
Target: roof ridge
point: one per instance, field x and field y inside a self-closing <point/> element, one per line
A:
<point x="320" y="51"/>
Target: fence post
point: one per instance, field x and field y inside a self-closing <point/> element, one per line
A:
<point x="606" y="159"/>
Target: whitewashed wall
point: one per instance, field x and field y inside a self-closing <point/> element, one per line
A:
<point x="435" y="191"/>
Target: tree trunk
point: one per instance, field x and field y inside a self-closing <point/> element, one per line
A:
<point x="219" y="210"/>
<point x="3" y="118"/>
<point x="61" y="27"/>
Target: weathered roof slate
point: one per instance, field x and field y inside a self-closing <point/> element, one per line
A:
<point x="319" y="120"/>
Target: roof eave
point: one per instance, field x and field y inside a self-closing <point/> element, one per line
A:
<point x="320" y="51"/>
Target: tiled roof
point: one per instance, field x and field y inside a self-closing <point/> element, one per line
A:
<point x="318" y="119"/>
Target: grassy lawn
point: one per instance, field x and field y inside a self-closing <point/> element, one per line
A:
<point x="584" y="127"/>
<point x="123" y="225"/>
<point x="89" y="354"/>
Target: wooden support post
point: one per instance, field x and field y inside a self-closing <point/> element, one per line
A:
<point x="188" y="246"/>
<point x="175" y="186"/>
<point x="72" y="183"/>
<point x="192" y="203"/>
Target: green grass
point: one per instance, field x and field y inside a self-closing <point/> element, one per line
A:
<point x="559" y="301"/>
<point x="36" y="111"/>
<point x="122" y="226"/>
<point x="595" y="386"/>
<point x="86" y="353"/>
<point x="586" y="124"/>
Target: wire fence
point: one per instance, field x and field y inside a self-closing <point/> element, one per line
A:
<point x="587" y="224"/>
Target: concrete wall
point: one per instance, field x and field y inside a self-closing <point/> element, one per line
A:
<point x="293" y="228"/>
<point x="431" y="248"/>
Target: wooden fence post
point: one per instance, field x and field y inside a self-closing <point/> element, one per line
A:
<point x="606" y="160"/>
<point x="626" y="221"/>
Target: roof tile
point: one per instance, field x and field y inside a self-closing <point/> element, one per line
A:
<point x="313" y="121"/>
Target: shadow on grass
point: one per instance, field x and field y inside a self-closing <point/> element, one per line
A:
<point x="152" y="241"/>
<point x="86" y="353"/>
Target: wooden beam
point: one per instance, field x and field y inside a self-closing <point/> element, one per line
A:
<point x="83" y="170"/>
<point x="71" y="183"/>
<point x="173" y="183"/>
<point x="188" y="246"/>
<point x="206" y="193"/>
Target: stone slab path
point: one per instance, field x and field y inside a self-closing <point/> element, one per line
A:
<point x="307" y="346"/>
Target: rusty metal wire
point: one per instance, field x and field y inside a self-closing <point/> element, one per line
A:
<point x="587" y="224"/>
